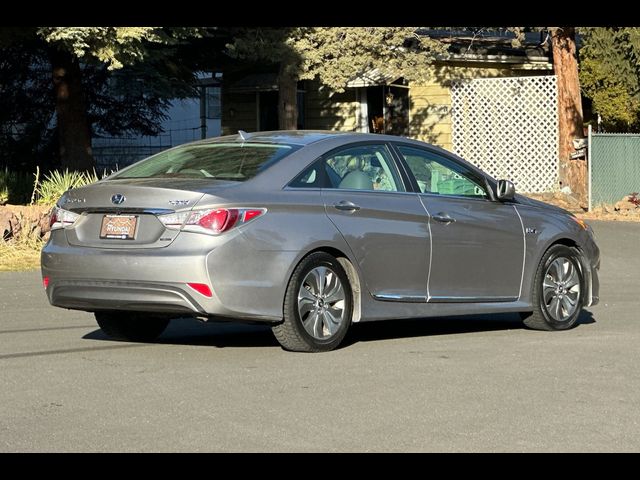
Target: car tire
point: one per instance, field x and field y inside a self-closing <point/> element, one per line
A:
<point x="317" y="307"/>
<point x="131" y="327"/>
<point x="558" y="290"/>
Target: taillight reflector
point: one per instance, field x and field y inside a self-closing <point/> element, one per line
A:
<point x="45" y="282"/>
<point x="250" y="214"/>
<point x="201" y="288"/>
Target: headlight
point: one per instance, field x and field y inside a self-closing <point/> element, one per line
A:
<point x="584" y="225"/>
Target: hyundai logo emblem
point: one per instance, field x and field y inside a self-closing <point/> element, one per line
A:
<point x="118" y="198"/>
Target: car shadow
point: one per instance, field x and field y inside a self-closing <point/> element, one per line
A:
<point x="236" y="335"/>
<point x="188" y="331"/>
<point x="428" y="327"/>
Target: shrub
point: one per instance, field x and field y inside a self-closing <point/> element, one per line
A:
<point x="49" y="190"/>
<point x="15" y="187"/>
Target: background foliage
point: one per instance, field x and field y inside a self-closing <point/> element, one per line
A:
<point x="610" y="73"/>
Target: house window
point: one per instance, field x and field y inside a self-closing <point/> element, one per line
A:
<point x="268" y="110"/>
<point x="213" y="103"/>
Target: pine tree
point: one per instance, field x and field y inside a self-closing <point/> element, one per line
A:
<point x="610" y="75"/>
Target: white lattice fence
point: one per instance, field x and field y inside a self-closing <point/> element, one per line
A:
<point x="509" y="128"/>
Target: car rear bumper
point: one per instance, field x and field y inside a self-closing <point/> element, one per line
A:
<point x="156" y="280"/>
<point x="94" y="295"/>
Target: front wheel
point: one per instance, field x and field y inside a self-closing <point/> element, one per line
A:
<point x="558" y="291"/>
<point x="131" y="327"/>
<point x="317" y="307"/>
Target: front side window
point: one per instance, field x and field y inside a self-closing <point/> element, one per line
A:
<point x="439" y="175"/>
<point x="362" y="167"/>
<point x="224" y="161"/>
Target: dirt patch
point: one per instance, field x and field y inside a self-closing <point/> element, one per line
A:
<point x="609" y="212"/>
<point x="24" y="229"/>
<point x="24" y="222"/>
<point x="623" y="210"/>
<point x="562" y="200"/>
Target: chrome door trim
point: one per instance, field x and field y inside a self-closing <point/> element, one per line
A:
<point x="471" y="299"/>
<point x="524" y="251"/>
<point x="388" y="297"/>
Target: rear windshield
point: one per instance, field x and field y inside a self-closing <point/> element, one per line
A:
<point x="225" y="161"/>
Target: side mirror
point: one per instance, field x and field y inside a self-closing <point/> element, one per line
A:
<point x="505" y="190"/>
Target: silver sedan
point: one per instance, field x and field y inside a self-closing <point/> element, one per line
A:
<point x="310" y="232"/>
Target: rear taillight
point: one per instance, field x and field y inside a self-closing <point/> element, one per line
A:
<point x="210" y="221"/>
<point x="60" y="218"/>
<point x="45" y="282"/>
<point x="216" y="221"/>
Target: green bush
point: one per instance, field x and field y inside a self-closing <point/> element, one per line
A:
<point x="15" y="187"/>
<point x="53" y="186"/>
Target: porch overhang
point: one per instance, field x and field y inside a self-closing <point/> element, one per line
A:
<point x="372" y="78"/>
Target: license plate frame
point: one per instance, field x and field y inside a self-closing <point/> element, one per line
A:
<point x="119" y="227"/>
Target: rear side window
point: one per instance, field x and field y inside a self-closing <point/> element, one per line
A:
<point x="361" y="167"/>
<point x="224" y="161"/>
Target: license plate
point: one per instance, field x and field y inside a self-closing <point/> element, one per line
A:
<point x="121" y="227"/>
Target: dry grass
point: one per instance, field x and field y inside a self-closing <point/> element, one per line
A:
<point x="24" y="255"/>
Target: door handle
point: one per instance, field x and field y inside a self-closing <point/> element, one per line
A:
<point x="443" y="218"/>
<point x="346" y="206"/>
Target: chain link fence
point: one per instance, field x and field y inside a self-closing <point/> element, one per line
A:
<point x="614" y="167"/>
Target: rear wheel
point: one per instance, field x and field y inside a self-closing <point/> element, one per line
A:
<point x="317" y="307"/>
<point x="558" y="291"/>
<point x="132" y="327"/>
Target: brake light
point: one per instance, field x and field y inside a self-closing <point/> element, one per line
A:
<point x="60" y="218"/>
<point x="219" y="220"/>
<point x="201" y="288"/>
<point x="210" y="221"/>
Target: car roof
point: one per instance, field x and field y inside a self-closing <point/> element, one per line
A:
<point x="296" y="137"/>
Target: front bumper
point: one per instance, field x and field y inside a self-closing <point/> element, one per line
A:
<point x="594" y="285"/>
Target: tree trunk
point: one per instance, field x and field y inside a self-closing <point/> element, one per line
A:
<point x="287" y="99"/>
<point x="74" y="133"/>
<point x="565" y="65"/>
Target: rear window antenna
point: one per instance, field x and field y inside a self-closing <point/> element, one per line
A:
<point x="244" y="135"/>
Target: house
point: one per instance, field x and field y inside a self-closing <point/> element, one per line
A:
<point x="187" y="120"/>
<point x="490" y="102"/>
<point x="377" y="102"/>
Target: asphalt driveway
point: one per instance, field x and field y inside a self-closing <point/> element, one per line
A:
<point x="461" y="384"/>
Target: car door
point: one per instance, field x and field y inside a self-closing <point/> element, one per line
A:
<point x="478" y="249"/>
<point x="384" y="225"/>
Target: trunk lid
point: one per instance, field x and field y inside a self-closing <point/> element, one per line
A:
<point x="132" y="207"/>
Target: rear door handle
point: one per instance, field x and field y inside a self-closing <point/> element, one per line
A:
<point x="346" y="206"/>
<point x="443" y="218"/>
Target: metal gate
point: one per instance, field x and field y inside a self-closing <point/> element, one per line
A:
<point x="509" y="127"/>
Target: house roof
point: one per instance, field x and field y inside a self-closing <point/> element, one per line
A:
<point x="493" y="46"/>
<point x="371" y="78"/>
